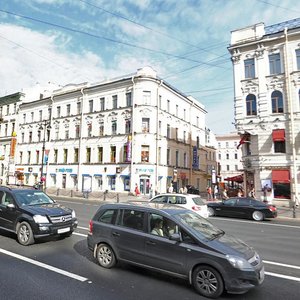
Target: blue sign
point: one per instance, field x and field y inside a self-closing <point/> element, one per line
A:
<point x="195" y="158"/>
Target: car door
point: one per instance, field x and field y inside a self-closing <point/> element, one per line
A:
<point x="161" y="252"/>
<point x="128" y="235"/>
<point x="227" y="208"/>
<point x="8" y="214"/>
<point x="243" y="207"/>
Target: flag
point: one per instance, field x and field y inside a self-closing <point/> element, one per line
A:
<point x="243" y="140"/>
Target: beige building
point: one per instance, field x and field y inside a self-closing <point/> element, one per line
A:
<point x="266" y="64"/>
<point x="113" y="135"/>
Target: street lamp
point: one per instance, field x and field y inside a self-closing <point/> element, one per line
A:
<point x="45" y="126"/>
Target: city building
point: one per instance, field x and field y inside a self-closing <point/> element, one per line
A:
<point x="266" y="64"/>
<point x="135" y="130"/>
<point x="229" y="158"/>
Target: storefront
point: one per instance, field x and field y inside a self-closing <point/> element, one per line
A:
<point x="281" y="184"/>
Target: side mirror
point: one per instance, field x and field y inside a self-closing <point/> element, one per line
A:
<point x="175" y="237"/>
<point x="10" y="205"/>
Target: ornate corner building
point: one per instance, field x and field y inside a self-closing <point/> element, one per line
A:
<point x="266" y="64"/>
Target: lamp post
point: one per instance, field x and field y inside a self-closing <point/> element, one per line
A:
<point x="45" y="126"/>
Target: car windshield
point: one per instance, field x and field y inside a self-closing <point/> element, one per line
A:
<point x="198" y="201"/>
<point x="32" y="198"/>
<point x="199" y="224"/>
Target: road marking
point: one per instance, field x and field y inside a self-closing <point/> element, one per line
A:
<point x="256" y="223"/>
<point x="283" y="276"/>
<point x="80" y="234"/>
<point x="45" y="266"/>
<point x="85" y="228"/>
<point x="280" y="264"/>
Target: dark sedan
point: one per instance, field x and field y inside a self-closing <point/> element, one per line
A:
<point x="240" y="207"/>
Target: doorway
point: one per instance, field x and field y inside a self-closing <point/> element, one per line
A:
<point x="144" y="185"/>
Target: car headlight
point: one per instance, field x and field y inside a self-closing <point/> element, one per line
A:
<point x="40" y="219"/>
<point x="239" y="263"/>
<point x="73" y="214"/>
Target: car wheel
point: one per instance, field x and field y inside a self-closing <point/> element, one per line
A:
<point x="105" y="256"/>
<point x="211" y="211"/>
<point x="257" y="215"/>
<point x="208" y="282"/>
<point x="25" y="234"/>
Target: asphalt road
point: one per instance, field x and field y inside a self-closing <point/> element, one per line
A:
<point x="65" y="269"/>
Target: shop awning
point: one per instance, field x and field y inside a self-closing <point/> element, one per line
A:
<point x="278" y="135"/>
<point x="281" y="176"/>
<point x="238" y="178"/>
<point x="97" y="175"/>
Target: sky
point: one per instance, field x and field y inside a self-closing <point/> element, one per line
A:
<point x="73" y="41"/>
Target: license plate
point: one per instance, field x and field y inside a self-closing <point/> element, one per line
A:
<point x="63" y="230"/>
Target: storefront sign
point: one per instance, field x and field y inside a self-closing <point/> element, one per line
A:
<point x="145" y="171"/>
<point x="128" y="153"/>
<point x="63" y="170"/>
<point x="195" y="158"/>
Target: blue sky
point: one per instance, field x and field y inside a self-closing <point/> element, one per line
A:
<point x="185" y="41"/>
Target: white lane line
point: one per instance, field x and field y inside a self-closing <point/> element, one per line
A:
<point x="283" y="276"/>
<point x="80" y="234"/>
<point x="45" y="266"/>
<point x="280" y="264"/>
<point x="85" y="228"/>
<point x="256" y="223"/>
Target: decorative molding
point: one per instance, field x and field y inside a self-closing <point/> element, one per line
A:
<point x="259" y="52"/>
<point x="250" y="87"/>
<point x="236" y="56"/>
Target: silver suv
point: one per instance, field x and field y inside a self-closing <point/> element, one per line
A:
<point x="177" y="241"/>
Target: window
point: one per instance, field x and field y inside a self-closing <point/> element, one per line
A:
<point x="30" y="137"/>
<point x="185" y="160"/>
<point x="37" y="156"/>
<point x="76" y="155"/>
<point x="220" y="157"/>
<point x="168" y="131"/>
<point x="100" y="154"/>
<point x="277" y="102"/>
<point x="28" y="157"/>
<point x="68" y="109"/>
<point x="109" y="216"/>
<point x="176" y="134"/>
<point x="67" y="134"/>
<point x="298" y="59"/>
<point x="101" y="129"/>
<point x="228" y="168"/>
<point x="235" y="156"/>
<point x="146" y="97"/>
<point x="90" y="128"/>
<point x="49" y="113"/>
<point x="132" y="219"/>
<point x="227" y="155"/>
<point x="145" y="125"/>
<point x="177" y="158"/>
<point x="102" y="103"/>
<point x="21" y="157"/>
<point x="24" y="118"/>
<point x="279" y="146"/>
<point x="32" y="116"/>
<point x="78" y="108"/>
<point x="125" y="150"/>
<point x="65" y="156"/>
<point x="197" y="121"/>
<point x="274" y="61"/>
<point x="128" y="99"/>
<point x="198" y="142"/>
<point x="91" y="104"/>
<point x="159" y="125"/>
<point x="184" y="114"/>
<point x="114" y="127"/>
<point x="249" y="68"/>
<point x="40" y="115"/>
<point x="251" y="105"/>
<point x="55" y="155"/>
<point x="7" y="110"/>
<point x="58" y="111"/>
<point x="159" y="155"/>
<point x="168" y="105"/>
<point x="168" y="156"/>
<point x="114" y="101"/>
<point x="159" y="101"/>
<point x="145" y="153"/>
<point x="77" y="131"/>
<point x="113" y="154"/>
<point x="184" y="136"/>
<point x="6" y="130"/>
<point x="127" y="126"/>
<point x="88" y="155"/>
<point x="176" y="110"/>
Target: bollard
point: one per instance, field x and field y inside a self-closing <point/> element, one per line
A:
<point x="72" y="193"/>
<point x="57" y="192"/>
<point x="104" y="196"/>
<point x="294" y="211"/>
<point x="118" y="200"/>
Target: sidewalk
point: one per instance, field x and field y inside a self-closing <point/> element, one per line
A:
<point x="283" y="211"/>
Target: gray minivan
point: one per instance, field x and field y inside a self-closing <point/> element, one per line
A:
<point x="175" y="241"/>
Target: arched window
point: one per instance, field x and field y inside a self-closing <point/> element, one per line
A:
<point x="251" y="105"/>
<point x="277" y="102"/>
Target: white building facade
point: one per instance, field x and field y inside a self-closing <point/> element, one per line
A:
<point x="266" y="64"/>
<point x="134" y="130"/>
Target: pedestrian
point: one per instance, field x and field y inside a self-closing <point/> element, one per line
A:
<point x="151" y="191"/>
<point x="170" y="189"/>
<point x="185" y="191"/>
<point x="209" y="192"/>
<point x="252" y="193"/>
<point x="181" y="190"/>
<point x="216" y="192"/>
<point x="136" y="190"/>
<point x="239" y="193"/>
<point x="224" y="194"/>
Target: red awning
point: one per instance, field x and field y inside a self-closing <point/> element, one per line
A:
<point x="282" y="176"/>
<point x="278" y="135"/>
<point x="238" y="178"/>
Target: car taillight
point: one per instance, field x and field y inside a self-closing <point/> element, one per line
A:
<point x="196" y="207"/>
<point x="91" y="226"/>
<point x="272" y="208"/>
